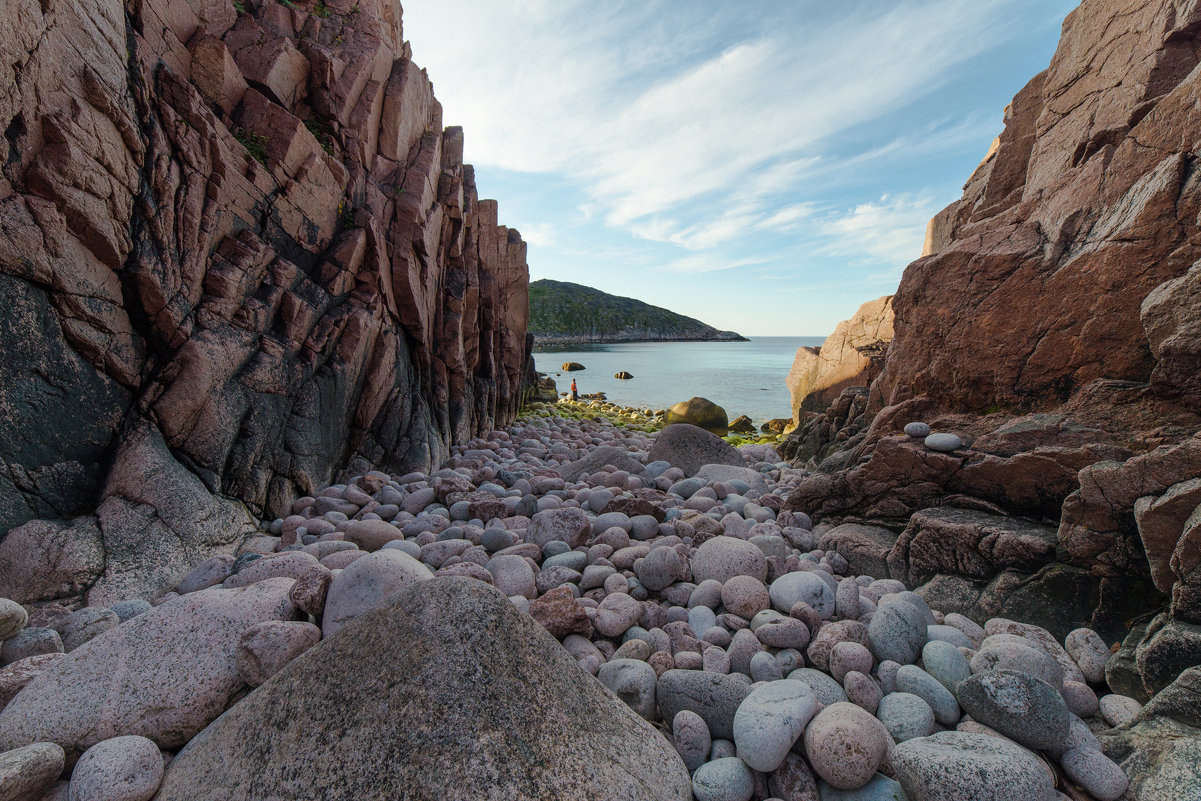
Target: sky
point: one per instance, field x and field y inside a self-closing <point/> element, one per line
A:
<point x="765" y="166"/>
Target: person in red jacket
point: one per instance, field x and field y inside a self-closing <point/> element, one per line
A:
<point x="575" y="393"/>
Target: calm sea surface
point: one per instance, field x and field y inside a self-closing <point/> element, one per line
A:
<point x="741" y="377"/>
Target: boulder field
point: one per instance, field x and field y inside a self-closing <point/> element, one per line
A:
<point x="649" y="628"/>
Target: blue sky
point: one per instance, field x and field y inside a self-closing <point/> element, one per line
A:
<point x="762" y="165"/>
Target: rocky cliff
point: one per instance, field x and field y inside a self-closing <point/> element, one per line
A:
<point x="1053" y="326"/>
<point x="563" y="313"/>
<point x="239" y="254"/>
<point x="851" y="356"/>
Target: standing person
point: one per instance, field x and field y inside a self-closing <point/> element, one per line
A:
<point x="575" y="393"/>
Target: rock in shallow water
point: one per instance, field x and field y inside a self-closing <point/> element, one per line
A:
<point x="525" y="721"/>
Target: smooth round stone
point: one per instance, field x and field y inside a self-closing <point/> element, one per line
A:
<point x="954" y="766"/>
<point x="769" y="721"/>
<point x="633" y="681"/>
<point x="917" y="430"/>
<point x="497" y="539"/>
<point x="599" y="499"/>
<point x="945" y="663"/>
<point x="616" y="614"/>
<point x="802" y="587"/>
<point x="763" y="618"/>
<point x="13" y="618"/>
<point x="943" y="442"/>
<point x="743" y="647"/>
<point x="659" y="569"/>
<point x="1022" y="707"/>
<point x="825" y="688"/>
<point x="513" y="575"/>
<point x="862" y="691"/>
<point x="691" y="738"/>
<point x="846" y="745"/>
<point x="912" y="679"/>
<point x="715" y="660"/>
<point x="905" y="716"/>
<point x="849" y="656"/>
<point x="701" y="619"/>
<point x="1080" y="699"/>
<point x="846" y="600"/>
<point x="770" y="545"/>
<point x="764" y="667"/>
<point x="887" y="673"/>
<point x="31" y="641"/>
<point x="125" y="610"/>
<point x="573" y="560"/>
<point x="948" y="634"/>
<point x="1118" y="710"/>
<point x="897" y="632"/>
<point x="1088" y="651"/>
<point x="643" y="527"/>
<point x="554" y="548"/>
<point x="404" y="546"/>
<point x="790" y="659"/>
<point x="783" y="632"/>
<point x="1095" y="772"/>
<point x="713" y="696"/>
<point x="207" y="574"/>
<point x="745" y="596"/>
<point x="880" y="788"/>
<point x="707" y="593"/>
<point x="721" y="749"/>
<point x="1010" y="652"/>
<point x="633" y="649"/>
<point x="128" y="768"/>
<point x="29" y="771"/>
<point x="727" y="779"/>
<point x="723" y="558"/>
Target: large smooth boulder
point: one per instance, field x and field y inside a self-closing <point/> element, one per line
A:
<point x="953" y="765"/>
<point x="700" y="412"/>
<point x="444" y="691"/>
<point x="597" y="458"/>
<point x="165" y="674"/>
<point x="690" y="448"/>
<point x="365" y="583"/>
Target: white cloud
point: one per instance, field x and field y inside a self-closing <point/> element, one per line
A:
<point x="890" y="231"/>
<point x="656" y="106"/>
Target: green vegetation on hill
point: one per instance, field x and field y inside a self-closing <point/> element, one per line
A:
<point x="565" y="313"/>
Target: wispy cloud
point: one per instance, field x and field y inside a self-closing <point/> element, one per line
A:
<point x="888" y="231"/>
<point x="711" y="136"/>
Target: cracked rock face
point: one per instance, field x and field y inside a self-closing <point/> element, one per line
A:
<point x="244" y="237"/>
<point x="1033" y="284"/>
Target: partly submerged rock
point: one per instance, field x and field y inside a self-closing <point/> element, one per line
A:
<point x="700" y="412"/>
<point x="445" y="691"/>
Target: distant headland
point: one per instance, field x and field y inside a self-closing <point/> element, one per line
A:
<point x="562" y="313"/>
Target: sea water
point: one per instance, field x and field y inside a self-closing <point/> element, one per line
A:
<point x="741" y="377"/>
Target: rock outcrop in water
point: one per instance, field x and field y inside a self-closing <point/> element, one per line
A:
<point x="852" y="356"/>
<point x="563" y="313"/>
<point x="1052" y="325"/>
<point x="238" y="251"/>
